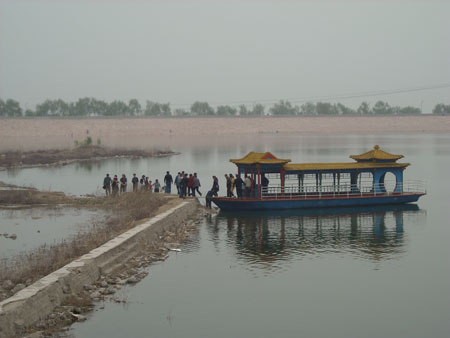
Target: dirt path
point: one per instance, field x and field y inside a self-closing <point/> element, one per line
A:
<point x="124" y="213"/>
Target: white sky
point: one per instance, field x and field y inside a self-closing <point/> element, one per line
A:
<point x="223" y="51"/>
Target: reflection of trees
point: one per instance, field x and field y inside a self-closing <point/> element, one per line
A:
<point x="13" y="172"/>
<point x="372" y="233"/>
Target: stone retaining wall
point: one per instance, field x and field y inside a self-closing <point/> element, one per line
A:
<point x="38" y="300"/>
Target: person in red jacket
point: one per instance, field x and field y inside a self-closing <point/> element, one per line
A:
<point x="191" y="185"/>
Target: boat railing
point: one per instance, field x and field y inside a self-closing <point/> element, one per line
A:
<point x="342" y="190"/>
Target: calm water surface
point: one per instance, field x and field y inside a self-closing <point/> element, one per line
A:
<point x="212" y="158"/>
<point x="38" y="226"/>
<point x="372" y="272"/>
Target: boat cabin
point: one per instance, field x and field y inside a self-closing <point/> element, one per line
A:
<point x="365" y="175"/>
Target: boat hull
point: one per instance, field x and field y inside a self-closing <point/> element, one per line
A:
<point x="234" y="204"/>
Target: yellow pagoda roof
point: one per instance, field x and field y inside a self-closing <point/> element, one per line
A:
<point x="376" y="154"/>
<point x="261" y="158"/>
<point x="340" y="166"/>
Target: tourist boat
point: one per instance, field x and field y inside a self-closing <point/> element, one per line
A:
<point x="322" y="185"/>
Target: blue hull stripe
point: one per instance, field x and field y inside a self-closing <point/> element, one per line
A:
<point x="257" y="204"/>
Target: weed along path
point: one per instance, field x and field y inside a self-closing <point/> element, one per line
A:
<point x="32" y="250"/>
<point x="61" y="297"/>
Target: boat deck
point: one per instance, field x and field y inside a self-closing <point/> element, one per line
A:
<point x="318" y="196"/>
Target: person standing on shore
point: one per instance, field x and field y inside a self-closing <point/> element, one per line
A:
<point x="196" y="185"/>
<point x="191" y="185"/>
<point x="123" y="183"/>
<point x="115" y="186"/>
<point x="184" y="186"/>
<point x="168" y="182"/>
<point x="238" y="182"/>
<point x="181" y="183"/>
<point x="107" y="185"/>
<point x="142" y="182"/>
<point x="177" y="182"/>
<point x="135" y="182"/>
<point x="156" y="186"/>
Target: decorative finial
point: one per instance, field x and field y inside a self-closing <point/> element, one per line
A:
<point x="376" y="147"/>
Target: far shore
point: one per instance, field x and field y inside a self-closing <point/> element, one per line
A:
<point x="39" y="158"/>
<point x="153" y="133"/>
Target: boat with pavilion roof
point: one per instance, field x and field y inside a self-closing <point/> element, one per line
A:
<point x="364" y="182"/>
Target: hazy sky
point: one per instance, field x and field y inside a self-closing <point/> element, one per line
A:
<point x="223" y="51"/>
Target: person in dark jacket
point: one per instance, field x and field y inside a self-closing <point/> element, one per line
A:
<point x="168" y="180"/>
<point x="264" y="184"/>
<point x="215" y="187"/>
<point x="107" y="185"/>
<point x="196" y="185"/>
<point x="238" y="182"/>
<point x="209" y="195"/>
<point x="142" y="182"/>
<point x="135" y="182"/>
<point x="123" y="183"/>
<point x="228" y="183"/>
<point x="184" y="186"/>
<point x="115" y="186"/>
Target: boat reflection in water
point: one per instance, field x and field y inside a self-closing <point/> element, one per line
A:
<point x="266" y="238"/>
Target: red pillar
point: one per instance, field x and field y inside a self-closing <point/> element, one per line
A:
<point x="252" y="192"/>
<point x="259" y="182"/>
<point x="282" y="181"/>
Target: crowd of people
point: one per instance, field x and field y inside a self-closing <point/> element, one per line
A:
<point x="114" y="186"/>
<point x="186" y="185"/>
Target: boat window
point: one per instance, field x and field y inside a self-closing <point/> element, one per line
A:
<point x="390" y="181"/>
<point x="365" y="182"/>
<point x="344" y="182"/>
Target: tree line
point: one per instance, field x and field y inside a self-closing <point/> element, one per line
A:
<point x="93" y="107"/>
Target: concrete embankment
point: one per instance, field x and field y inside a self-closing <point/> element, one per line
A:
<point x="37" y="301"/>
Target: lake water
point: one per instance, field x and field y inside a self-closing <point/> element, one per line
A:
<point x="38" y="226"/>
<point x="210" y="156"/>
<point x="367" y="272"/>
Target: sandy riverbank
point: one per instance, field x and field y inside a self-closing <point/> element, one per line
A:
<point x="162" y="133"/>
